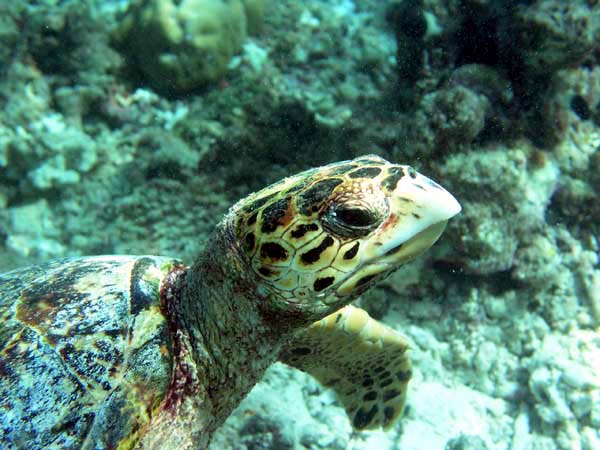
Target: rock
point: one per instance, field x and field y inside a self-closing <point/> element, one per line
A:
<point x="182" y="45"/>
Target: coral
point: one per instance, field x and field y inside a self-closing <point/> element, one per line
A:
<point x="408" y="22"/>
<point x="314" y="426"/>
<point x="445" y="120"/>
<point x="40" y="159"/>
<point x="181" y="46"/>
<point x="255" y="10"/>
<point x="490" y="83"/>
<point x="466" y="442"/>
<point x="549" y="35"/>
<point x="504" y="198"/>
<point x="40" y="150"/>
<point x="576" y="200"/>
<point x="523" y="45"/>
<point x="537" y="261"/>
<point x="69" y="42"/>
<point x="565" y="388"/>
<point x="9" y="31"/>
<point x="34" y="231"/>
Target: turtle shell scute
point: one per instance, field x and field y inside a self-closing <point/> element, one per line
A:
<point x="84" y="351"/>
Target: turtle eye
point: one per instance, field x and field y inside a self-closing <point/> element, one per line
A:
<point x="351" y="220"/>
<point x="356" y="217"/>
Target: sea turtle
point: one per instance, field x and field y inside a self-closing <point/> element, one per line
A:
<point x="120" y="352"/>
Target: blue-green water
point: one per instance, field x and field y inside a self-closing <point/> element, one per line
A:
<point x="131" y="127"/>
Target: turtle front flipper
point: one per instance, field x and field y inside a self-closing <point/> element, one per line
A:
<point x="364" y="361"/>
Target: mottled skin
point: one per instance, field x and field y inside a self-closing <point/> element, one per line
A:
<point x="143" y="352"/>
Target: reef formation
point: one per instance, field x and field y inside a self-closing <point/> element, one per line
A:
<point x="125" y="134"/>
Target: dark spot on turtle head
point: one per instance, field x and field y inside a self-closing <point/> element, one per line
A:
<point x="266" y="272"/>
<point x="322" y="283"/>
<point x="258" y="203"/>
<point x="370" y="396"/>
<point x="363" y="418"/>
<point x="364" y="280"/>
<point x="385" y="382"/>
<point x="338" y="318"/>
<point x="301" y="351"/>
<point x="412" y="173"/>
<point x="390" y="394"/>
<point x="274" y="214"/>
<point x="394" y="175"/>
<point x="249" y="242"/>
<point x="393" y="250"/>
<point x="252" y="218"/>
<point x="331" y="382"/>
<point x="388" y="413"/>
<point x="416" y="216"/>
<point x="342" y="169"/>
<point x="365" y="172"/>
<point x="404" y="375"/>
<point x="297" y="187"/>
<point x="351" y="253"/>
<point x="314" y="254"/>
<point x="433" y="184"/>
<point x="315" y="195"/>
<point x="273" y="251"/>
<point x="302" y="229"/>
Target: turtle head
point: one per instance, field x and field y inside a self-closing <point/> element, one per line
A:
<point x="317" y="240"/>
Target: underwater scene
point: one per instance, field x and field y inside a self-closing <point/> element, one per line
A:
<point x="293" y="225"/>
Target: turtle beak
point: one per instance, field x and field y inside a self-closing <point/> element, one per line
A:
<point x="437" y="203"/>
<point x="431" y="202"/>
<point x="419" y="211"/>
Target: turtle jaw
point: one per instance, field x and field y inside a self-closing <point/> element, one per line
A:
<point x="380" y="267"/>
